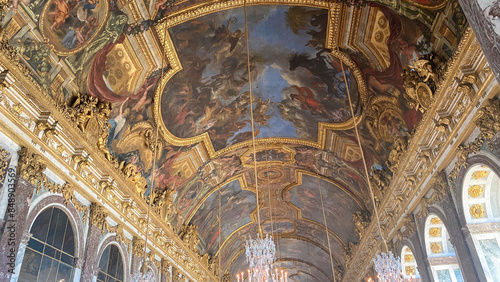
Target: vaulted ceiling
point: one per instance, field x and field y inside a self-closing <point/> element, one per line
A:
<point x="184" y="68"/>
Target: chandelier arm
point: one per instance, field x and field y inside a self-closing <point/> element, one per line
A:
<point x="326" y="228"/>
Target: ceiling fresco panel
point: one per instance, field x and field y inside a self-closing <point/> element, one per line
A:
<point x="295" y="80"/>
<point x="338" y="206"/>
<point x="236" y="206"/>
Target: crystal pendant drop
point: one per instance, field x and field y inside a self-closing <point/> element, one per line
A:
<point x="388" y="267"/>
<point x="260" y="254"/>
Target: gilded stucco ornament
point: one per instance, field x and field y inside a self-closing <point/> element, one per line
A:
<point x="409" y="227"/>
<point x="137" y="247"/>
<point x="361" y="221"/>
<point x="189" y="235"/>
<point x="435" y="232"/>
<point x="398" y="150"/>
<point x="410" y="270"/>
<point x="488" y="122"/>
<point x="421" y="81"/>
<point x="4" y="160"/>
<point x="381" y="179"/>
<point x="479" y="174"/>
<point x="475" y="191"/>
<point x="477" y="211"/>
<point x="31" y="167"/>
<point x="97" y="215"/>
<point x="409" y="258"/>
<point x="436" y="248"/>
<point x="49" y="130"/>
<point x="165" y="267"/>
<point x="226" y="277"/>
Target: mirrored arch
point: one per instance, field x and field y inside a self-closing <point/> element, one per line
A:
<point x="50" y="253"/>
<point x="409" y="264"/>
<point x="111" y="266"/>
<point x="481" y="204"/>
<point x="440" y="252"/>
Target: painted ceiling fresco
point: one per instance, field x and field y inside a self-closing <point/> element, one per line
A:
<point x="296" y="82"/>
<point x="183" y="67"/>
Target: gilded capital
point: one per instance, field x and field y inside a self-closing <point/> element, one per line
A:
<point x="98" y="215"/>
<point x="137" y="247"/>
<point x="165" y="266"/>
<point x="30" y="166"/>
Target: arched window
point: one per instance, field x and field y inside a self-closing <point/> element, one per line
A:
<point x="442" y="259"/>
<point x="50" y="254"/>
<point x="409" y="265"/>
<point x="110" y="265"/>
<point x="481" y="201"/>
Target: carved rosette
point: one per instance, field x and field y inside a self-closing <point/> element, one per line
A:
<point x="31" y="166"/>
<point x="97" y="215"/>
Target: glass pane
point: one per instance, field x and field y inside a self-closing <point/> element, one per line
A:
<point x="30" y="266"/>
<point x="48" y="269"/>
<point x="113" y="259"/>
<point x="103" y="263"/>
<point x="119" y="270"/>
<point x="458" y="275"/>
<point x="60" y="230"/>
<point x="41" y="224"/>
<point x="49" y="251"/>
<point x="69" y="240"/>
<point x="111" y="264"/>
<point x="491" y="255"/>
<point x="67" y="259"/>
<point x="35" y="245"/>
<point x="65" y="272"/>
<point x="101" y="277"/>
<point x="444" y="275"/>
<point x="52" y="227"/>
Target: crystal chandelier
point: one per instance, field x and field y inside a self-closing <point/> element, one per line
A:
<point x="388" y="267"/>
<point x="260" y="253"/>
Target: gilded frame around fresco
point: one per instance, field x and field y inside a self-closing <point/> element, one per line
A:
<point x="334" y="10"/>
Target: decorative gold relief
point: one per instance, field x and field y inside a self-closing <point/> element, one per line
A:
<point x="189" y="235"/>
<point x="409" y="258"/>
<point x="421" y="80"/>
<point x="436" y="248"/>
<point x="435" y="232"/>
<point x="475" y="191"/>
<point x="31" y="167"/>
<point x="97" y="215"/>
<point x="477" y="211"/>
<point x="479" y="174"/>
<point x="435" y="220"/>
<point x="4" y="160"/>
<point x="410" y="270"/>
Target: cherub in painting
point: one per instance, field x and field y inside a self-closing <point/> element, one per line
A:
<point x="60" y="14"/>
